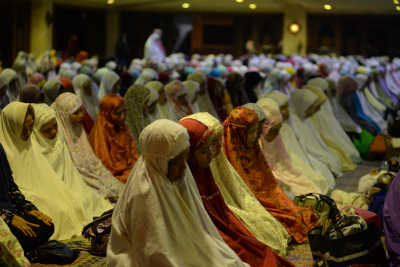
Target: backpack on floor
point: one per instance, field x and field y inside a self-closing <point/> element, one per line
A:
<point x="99" y="232"/>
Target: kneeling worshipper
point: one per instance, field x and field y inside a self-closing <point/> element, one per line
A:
<point x="37" y="181"/>
<point x="110" y="84"/>
<point x="234" y="86"/>
<point x="37" y="79"/>
<point x="83" y="89"/>
<point x="12" y="253"/>
<point x="163" y="104"/>
<point x="324" y="125"/>
<point x="329" y="127"/>
<point x="298" y="156"/>
<point x="146" y="76"/>
<point x="13" y="85"/>
<point x="278" y="160"/>
<point x="366" y="106"/>
<point x="137" y="101"/>
<point x="177" y="96"/>
<point x="111" y="140"/>
<point x="391" y="222"/>
<point x="216" y="92"/>
<point x="30" y="226"/>
<point x="243" y="151"/>
<point x="31" y="94"/>
<point x="239" y="197"/>
<point x="4" y="100"/>
<point x="231" y="229"/>
<point x="159" y="219"/>
<point x="52" y="89"/>
<point x="68" y="86"/>
<point x="68" y="108"/>
<point x="349" y="100"/>
<point x="193" y="94"/>
<point x="204" y="101"/>
<point x="303" y="103"/>
<point x="152" y="110"/>
<point x="49" y="139"/>
<point x="347" y="123"/>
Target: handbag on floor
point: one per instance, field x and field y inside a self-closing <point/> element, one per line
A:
<point x="345" y="242"/>
<point x="99" y="232"/>
<point x="321" y="205"/>
<point x="53" y="252"/>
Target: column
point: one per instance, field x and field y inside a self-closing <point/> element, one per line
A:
<point x="112" y="31"/>
<point x="292" y="42"/>
<point x="41" y="26"/>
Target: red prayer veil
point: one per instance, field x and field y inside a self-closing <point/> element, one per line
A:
<point x="231" y="229"/>
<point x="255" y="172"/>
<point x="112" y="142"/>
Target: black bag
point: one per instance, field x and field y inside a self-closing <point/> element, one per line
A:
<point x="363" y="247"/>
<point x="53" y="252"/>
<point x="99" y="232"/>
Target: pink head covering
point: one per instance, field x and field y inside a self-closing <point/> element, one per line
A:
<point x="275" y="151"/>
<point x="37" y="79"/>
<point x="278" y="159"/>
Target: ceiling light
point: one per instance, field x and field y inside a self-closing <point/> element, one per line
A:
<point x="110" y="2"/>
<point x="294" y="27"/>
<point x="240" y="1"/>
<point x="396" y="2"/>
<point x="398" y="7"/>
<point x="252" y="6"/>
<point x="327" y="7"/>
<point x="185" y="5"/>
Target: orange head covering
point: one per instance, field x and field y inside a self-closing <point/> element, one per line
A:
<point x="255" y="172"/>
<point x="112" y="142"/>
<point x="81" y="56"/>
<point x="68" y="86"/>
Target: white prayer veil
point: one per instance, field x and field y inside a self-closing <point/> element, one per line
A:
<point x="157" y="222"/>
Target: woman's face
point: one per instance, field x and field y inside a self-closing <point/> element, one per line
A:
<point x="260" y="128"/>
<point x="120" y="115"/>
<point x="203" y="88"/>
<point x="204" y="154"/>
<point x="162" y="98"/>
<point x="309" y="111"/>
<point x="182" y="99"/>
<point x="49" y="129"/>
<point x="284" y="109"/>
<point x="77" y="117"/>
<point x="316" y="109"/>
<point x="23" y="70"/>
<point x="217" y="145"/>
<point x="27" y="126"/>
<point x="116" y="87"/>
<point x="152" y="108"/>
<point x="273" y="132"/>
<point x="145" y="106"/>
<point x="88" y="88"/>
<point x="39" y="99"/>
<point x="177" y="166"/>
<point x="252" y="135"/>
<point x="13" y="85"/>
<point x="3" y="90"/>
<point x="196" y="95"/>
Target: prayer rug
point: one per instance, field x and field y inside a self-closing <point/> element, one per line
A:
<point x="85" y="258"/>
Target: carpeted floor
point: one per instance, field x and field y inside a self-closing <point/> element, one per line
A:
<point x="298" y="254"/>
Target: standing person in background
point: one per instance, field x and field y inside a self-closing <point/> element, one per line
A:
<point x="153" y="48"/>
<point x="122" y="48"/>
